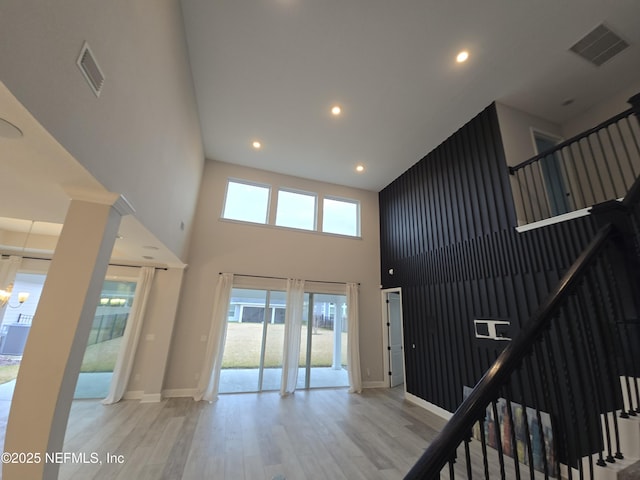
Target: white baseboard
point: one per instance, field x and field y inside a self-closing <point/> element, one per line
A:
<point x="179" y="392"/>
<point x="133" y="395"/>
<point x="441" y="412"/>
<point x="151" y="398"/>
<point x="375" y="384"/>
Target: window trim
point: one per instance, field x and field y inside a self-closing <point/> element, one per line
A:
<point x="271" y="213"/>
<point x="298" y="192"/>
<point x="335" y="198"/>
<point x="251" y="184"/>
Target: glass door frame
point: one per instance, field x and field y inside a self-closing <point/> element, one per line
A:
<point x="272" y="285"/>
<point x="337" y="323"/>
<point x="266" y="297"/>
<point x="263" y="343"/>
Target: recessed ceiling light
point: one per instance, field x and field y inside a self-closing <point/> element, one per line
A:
<point x="360" y="168"/>
<point x="256" y="144"/>
<point x="462" y="56"/>
<point x="336" y="110"/>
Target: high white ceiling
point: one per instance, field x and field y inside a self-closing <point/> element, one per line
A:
<point x="271" y="70"/>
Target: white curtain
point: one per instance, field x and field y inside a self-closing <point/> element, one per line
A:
<point x="353" y="340"/>
<point x="210" y="376"/>
<point x="130" y="338"/>
<point x="292" y="332"/>
<point x="8" y="270"/>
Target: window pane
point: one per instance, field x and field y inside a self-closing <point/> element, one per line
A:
<point x="105" y="339"/>
<point x="341" y="217"/>
<point x="246" y="202"/>
<point x="252" y="358"/>
<point x="305" y="339"/>
<point x="296" y="210"/>
<point x="242" y="349"/>
<point x="274" y="342"/>
<point x="328" y="342"/>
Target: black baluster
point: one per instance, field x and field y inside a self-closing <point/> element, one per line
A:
<point x="635" y="139"/>
<point x="554" y="387"/>
<point x="529" y="434"/>
<point x="578" y="181"/>
<point x="595" y="164"/>
<point x="569" y="184"/>
<point x="483" y="443"/>
<point x="606" y="163"/>
<point x="573" y="450"/>
<point x="512" y="432"/>
<point x="467" y="457"/>
<point x="566" y="321"/>
<point x="609" y="349"/>
<point x="586" y="171"/>
<point x="522" y="196"/>
<point x="532" y="195"/>
<point x="594" y="366"/>
<point x="498" y="438"/>
<point x="586" y="380"/>
<point x="615" y="155"/>
<point x="626" y="152"/>
<point x="626" y="348"/>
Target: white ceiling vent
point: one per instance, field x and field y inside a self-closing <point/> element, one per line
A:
<point x="90" y="69"/>
<point x="599" y="45"/>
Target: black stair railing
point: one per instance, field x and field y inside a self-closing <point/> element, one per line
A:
<point x="534" y="372"/>
<point x="562" y="389"/>
<point x="598" y="165"/>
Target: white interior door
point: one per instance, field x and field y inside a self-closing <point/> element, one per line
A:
<point x="394" y="325"/>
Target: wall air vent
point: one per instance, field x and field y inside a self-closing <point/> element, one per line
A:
<point x="90" y="69"/>
<point x="599" y="45"/>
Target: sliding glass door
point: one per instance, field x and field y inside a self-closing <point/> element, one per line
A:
<point x="323" y="349"/>
<point x="105" y="339"/>
<point x="273" y="341"/>
<point x="252" y="360"/>
<point x="254" y="345"/>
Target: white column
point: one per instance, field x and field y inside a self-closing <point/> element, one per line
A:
<point x="58" y="338"/>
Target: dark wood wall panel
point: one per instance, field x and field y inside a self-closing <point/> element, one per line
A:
<point x="447" y="229"/>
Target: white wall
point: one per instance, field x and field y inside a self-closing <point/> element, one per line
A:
<point x="516" y="130"/>
<point x="515" y="127"/>
<point x="147" y="375"/>
<point x="600" y="112"/>
<point x="141" y="138"/>
<point x="224" y="246"/>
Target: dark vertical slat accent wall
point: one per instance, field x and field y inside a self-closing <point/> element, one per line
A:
<point x="447" y="229"/>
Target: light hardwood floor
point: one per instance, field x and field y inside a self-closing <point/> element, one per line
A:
<point x="314" y="434"/>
